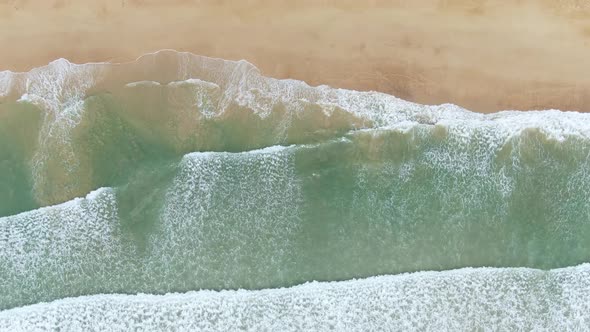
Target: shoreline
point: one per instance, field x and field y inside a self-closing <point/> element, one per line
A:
<point x="175" y="53"/>
<point x="484" y="56"/>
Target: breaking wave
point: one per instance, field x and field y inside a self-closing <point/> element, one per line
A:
<point x="458" y="300"/>
<point x="177" y="172"/>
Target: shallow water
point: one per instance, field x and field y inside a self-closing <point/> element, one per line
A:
<point x="177" y="173"/>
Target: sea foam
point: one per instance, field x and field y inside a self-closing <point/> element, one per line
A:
<point x="290" y="111"/>
<point x="458" y="300"/>
<point x="394" y="176"/>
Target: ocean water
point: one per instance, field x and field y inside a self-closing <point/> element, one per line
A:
<point x="184" y="192"/>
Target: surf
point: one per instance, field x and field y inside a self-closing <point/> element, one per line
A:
<point x="177" y="172"/>
<point x="464" y="299"/>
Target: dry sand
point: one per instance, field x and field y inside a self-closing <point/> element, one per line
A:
<point x="483" y="55"/>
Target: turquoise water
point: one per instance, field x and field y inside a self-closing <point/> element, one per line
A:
<point x="178" y="173"/>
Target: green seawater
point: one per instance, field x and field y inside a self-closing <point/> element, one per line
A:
<point x="185" y="185"/>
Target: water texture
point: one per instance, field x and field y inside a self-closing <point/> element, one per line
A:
<point x="177" y="173"/>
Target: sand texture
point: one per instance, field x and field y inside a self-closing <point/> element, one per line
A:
<point x="482" y="55"/>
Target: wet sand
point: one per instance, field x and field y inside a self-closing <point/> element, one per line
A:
<point x="483" y="55"/>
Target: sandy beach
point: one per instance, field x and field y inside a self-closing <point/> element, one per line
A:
<point x="482" y="55"/>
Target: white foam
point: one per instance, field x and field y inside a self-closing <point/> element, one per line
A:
<point x="61" y="87"/>
<point x="142" y="83"/>
<point x="270" y="149"/>
<point x="468" y="299"/>
<point x="464" y="299"/>
<point x="6" y="78"/>
<point x="217" y="231"/>
<point x="205" y="234"/>
<point x="57" y="242"/>
<point x="242" y="82"/>
<point x="193" y="81"/>
<point x="266" y="150"/>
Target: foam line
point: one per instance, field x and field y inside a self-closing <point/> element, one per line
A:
<point x="457" y="300"/>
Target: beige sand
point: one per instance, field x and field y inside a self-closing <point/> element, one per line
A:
<point x="483" y="55"/>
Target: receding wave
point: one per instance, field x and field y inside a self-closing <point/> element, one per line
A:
<point x="176" y="172"/>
